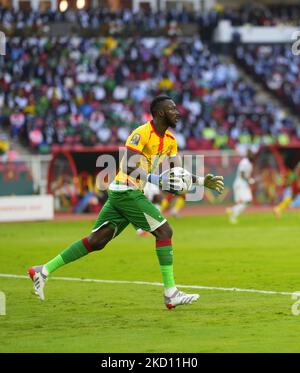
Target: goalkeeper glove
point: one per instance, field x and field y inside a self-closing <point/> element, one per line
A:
<point x="164" y="181"/>
<point x="212" y="182"/>
<point x="154" y="179"/>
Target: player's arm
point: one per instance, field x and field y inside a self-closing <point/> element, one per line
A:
<point x="134" y="157"/>
<point x="250" y="180"/>
<point x="209" y="181"/>
<point x="131" y="164"/>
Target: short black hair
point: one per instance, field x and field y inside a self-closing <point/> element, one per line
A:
<point x="156" y="101"/>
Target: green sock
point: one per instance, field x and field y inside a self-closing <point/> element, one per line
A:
<point x="73" y="252"/>
<point x="164" y="253"/>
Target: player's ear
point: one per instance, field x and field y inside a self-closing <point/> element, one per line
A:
<point x="160" y="113"/>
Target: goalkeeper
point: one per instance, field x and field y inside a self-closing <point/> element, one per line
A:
<point x="147" y="147"/>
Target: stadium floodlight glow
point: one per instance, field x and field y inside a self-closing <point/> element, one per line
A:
<point x="63" y="6"/>
<point x="80" y="4"/>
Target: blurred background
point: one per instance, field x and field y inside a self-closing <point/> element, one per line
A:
<point x="77" y="77"/>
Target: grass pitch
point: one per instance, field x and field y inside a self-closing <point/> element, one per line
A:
<point x="259" y="253"/>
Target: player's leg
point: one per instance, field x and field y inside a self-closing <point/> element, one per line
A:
<point x="242" y="196"/>
<point x="153" y="193"/>
<point x="166" y="200"/>
<point x="109" y="224"/>
<point x="157" y="200"/>
<point x="283" y="205"/>
<point x="178" y="205"/>
<point x="236" y="210"/>
<point x="78" y="249"/>
<point x="143" y="214"/>
<point x="164" y="250"/>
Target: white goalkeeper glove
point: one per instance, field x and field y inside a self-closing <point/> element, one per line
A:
<point x="164" y="181"/>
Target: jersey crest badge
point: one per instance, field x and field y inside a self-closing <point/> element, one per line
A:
<point x="135" y="139"/>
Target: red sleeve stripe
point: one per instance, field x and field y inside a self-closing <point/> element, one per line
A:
<point x="134" y="150"/>
<point x="161" y="243"/>
<point x="87" y="245"/>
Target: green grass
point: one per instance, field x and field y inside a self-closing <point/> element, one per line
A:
<point x="259" y="253"/>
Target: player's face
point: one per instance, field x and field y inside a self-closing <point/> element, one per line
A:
<point x="171" y="113"/>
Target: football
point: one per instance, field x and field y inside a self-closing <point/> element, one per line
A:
<point x="180" y="180"/>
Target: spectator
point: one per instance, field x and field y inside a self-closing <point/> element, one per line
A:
<point x="92" y="91"/>
<point x="17" y="121"/>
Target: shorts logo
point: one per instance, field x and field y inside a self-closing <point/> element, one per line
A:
<point x="135" y="139"/>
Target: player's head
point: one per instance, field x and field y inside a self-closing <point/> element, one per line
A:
<point x="250" y="155"/>
<point x="164" y="110"/>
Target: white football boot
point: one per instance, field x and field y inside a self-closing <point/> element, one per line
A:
<point x="39" y="280"/>
<point x="178" y="298"/>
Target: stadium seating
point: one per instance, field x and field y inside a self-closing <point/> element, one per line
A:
<point x="277" y="68"/>
<point x="63" y="91"/>
<point x="126" y="22"/>
<point x="88" y="90"/>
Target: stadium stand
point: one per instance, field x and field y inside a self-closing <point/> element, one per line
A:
<point x="93" y="85"/>
<point x="277" y="67"/>
<point x="60" y="90"/>
<point x="127" y="21"/>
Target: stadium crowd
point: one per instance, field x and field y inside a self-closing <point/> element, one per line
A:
<point x="62" y="90"/>
<point x="277" y="67"/>
<point x="127" y="22"/>
<point x="124" y="22"/>
<point x="84" y="90"/>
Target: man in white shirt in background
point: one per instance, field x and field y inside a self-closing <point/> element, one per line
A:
<point x="241" y="187"/>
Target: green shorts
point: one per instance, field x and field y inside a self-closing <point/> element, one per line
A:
<point x="129" y="206"/>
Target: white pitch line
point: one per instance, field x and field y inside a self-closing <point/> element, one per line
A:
<point x="4" y="275"/>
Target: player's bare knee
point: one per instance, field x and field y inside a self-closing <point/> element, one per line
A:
<point x="163" y="232"/>
<point x="99" y="239"/>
